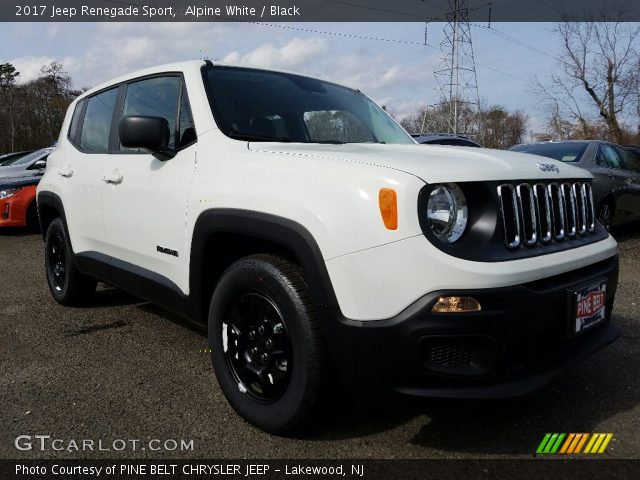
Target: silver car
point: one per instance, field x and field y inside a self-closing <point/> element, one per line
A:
<point x="29" y="165"/>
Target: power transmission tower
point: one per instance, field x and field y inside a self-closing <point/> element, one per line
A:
<point x="456" y="73"/>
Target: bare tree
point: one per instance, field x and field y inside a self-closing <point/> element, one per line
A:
<point x="600" y="75"/>
<point x="8" y="75"/>
<point x="31" y="113"/>
<point x="499" y="127"/>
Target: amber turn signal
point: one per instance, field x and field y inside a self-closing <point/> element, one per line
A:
<point x="388" y="201"/>
<point x="456" y="305"/>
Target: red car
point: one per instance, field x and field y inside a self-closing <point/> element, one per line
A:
<point x="18" y="202"/>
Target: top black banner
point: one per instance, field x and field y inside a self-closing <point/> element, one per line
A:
<point x="317" y="10"/>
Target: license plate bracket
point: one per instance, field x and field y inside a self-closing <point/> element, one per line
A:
<point x="588" y="307"/>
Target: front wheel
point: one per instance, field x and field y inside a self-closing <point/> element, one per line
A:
<point x="605" y="214"/>
<point x="68" y="285"/>
<point x="267" y="349"/>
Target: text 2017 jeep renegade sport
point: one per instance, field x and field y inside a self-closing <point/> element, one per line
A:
<point x="308" y="230"/>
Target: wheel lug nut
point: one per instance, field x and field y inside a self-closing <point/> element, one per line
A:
<point x="264" y="357"/>
<point x="261" y="330"/>
<point x="253" y="352"/>
<point x="268" y="344"/>
<point x="252" y="335"/>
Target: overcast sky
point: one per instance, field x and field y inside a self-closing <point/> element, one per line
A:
<point x="387" y="61"/>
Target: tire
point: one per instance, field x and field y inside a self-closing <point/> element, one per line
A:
<point x="275" y="386"/>
<point x="605" y="214"/>
<point x="67" y="285"/>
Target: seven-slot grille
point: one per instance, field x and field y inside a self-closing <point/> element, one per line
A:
<point x="541" y="212"/>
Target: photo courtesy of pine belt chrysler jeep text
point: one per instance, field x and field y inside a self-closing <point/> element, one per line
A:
<point x="319" y="243"/>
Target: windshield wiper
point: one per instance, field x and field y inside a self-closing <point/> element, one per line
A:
<point x="257" y="138"/>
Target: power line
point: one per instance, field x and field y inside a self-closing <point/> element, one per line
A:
<point x="521" y="43"/>
<point x="346" y="35"/>
<point x="379" y="39"/>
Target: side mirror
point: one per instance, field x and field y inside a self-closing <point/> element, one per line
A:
<point x="39" y="165"/>
<point x="147" y="133"/>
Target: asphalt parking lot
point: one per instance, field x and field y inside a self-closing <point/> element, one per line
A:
<point x="124" y="369"/>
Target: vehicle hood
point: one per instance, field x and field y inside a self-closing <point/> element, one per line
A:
<point x="433" y="163"/>
<point x="18" y="171"/>
<point x="15" y="182"/>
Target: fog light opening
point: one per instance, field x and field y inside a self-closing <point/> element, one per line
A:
<point x="456" y="305"/>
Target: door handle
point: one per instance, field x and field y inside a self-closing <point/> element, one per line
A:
<point x="114" y="178"/>
<point x="65" y="172"/>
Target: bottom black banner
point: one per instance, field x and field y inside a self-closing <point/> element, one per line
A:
<point x="200" y="469"/>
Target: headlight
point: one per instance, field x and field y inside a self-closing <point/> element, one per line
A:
<point x="447" y="212"/>
<point x="8" y="193"/>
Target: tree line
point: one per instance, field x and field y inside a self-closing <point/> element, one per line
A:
<point x="492" y="127"/>
<point x="594" y="92"/>
<point x="32" y="112"/>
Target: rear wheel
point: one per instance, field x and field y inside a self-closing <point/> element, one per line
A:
<point x="67" y="284"/>
<point x="267" y="349"/>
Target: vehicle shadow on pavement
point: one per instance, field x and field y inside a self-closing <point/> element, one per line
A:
<point x="585" y="399"/>
<point x="107" y="296"/>
<point x="172" y="317"/>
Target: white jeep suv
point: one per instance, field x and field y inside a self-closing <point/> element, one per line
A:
<point x="310" y="234"/>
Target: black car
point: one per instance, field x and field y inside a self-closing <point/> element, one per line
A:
<point x="7" y="158"/>
<point x="444" y="139"/>
<point x="616" y="172"/>
<point x="634" y="150"/>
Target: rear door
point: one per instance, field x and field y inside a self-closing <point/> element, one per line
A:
<point x="79" y="164"/>
<point x="146" y="196"/>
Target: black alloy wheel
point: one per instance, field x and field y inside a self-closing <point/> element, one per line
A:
<point x="57" y="264"/>
<point x="67" y="284"/>
<point x="257" y="346"/>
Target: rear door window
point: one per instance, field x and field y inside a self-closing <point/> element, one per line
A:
<point x="97" y="122"/>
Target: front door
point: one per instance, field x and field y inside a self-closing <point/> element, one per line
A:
<point x="146" y="195"/>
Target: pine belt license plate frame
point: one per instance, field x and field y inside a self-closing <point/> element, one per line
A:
<point x="587" y="307"/>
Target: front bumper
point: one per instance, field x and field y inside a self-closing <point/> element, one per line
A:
<point x="516" y="344"/>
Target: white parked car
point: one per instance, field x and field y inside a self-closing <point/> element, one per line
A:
<point x="312" y="235"/>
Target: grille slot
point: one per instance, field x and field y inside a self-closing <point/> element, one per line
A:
<point x="510" y="216"/>
<point x="534" y="214"/>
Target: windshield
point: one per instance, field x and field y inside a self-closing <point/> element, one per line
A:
<point x="565" y="152"/>
<point x="26" y="159"/>
<point x="9" y="158"/>
<point x="258" y="105"/>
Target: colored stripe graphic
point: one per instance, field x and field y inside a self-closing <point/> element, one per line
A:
<point x="605" y="442"/>
<point x="568" y="442"/>
<point x="543" y="443"/>
<point x="550" y="443"/>
<point x="573" y="443"/>
<point x="581" y="443"/>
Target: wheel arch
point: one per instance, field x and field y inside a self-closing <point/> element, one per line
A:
<point x="50" y="207"/>
<point x="222" y="236"/>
